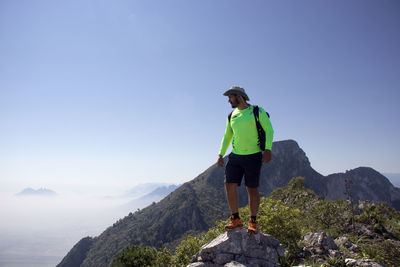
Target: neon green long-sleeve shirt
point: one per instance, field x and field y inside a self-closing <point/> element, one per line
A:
<point x="242" y="132"/>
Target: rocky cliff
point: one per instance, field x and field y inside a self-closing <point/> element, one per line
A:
<point x="238" y="248"/>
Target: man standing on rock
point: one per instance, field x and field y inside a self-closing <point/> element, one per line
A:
<point x="248" y="152"/>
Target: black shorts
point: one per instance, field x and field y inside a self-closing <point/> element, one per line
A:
<point x="247" y="165"/>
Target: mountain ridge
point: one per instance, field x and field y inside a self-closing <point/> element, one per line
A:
<point x="197" y="204"/>
<point x="154" y="196"/>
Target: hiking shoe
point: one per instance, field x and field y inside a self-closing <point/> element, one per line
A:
<point x="253" y="227"/>
<point x="233" y="224"/>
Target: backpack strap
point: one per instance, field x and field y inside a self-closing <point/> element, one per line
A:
<point x="229" y="116"/>
<point x="256" y="110"/>
<point x="260" y="130"/>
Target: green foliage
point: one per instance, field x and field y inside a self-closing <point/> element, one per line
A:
<point x="312" y="262"/>
<point x="215" y="231"/>
<point x="389" y="253"/>
<point x="186" y="249"/>
<point x="164" y="258"/>
<point x="372" y="214"/>
<point x="294" y="187"/>
<point x="328" y="216"/>
<point x="295" y="195"/>
<point x="381" y="218"/>
<point x="336" y="262"/>
<point x="393" y="225"/>
<point x="296" y="183"/>
<point x="286" y="261"/>
<point x="384" y="252"/>
<point x="135" y="256"/>
<point x="280" y="221"/>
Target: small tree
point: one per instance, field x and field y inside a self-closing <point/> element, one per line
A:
<point x="328" y="216"/>
<point x="348" y="183"/>
<point x="135" y="256"/>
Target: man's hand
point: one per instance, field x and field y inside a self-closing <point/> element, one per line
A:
<point x="266" y="156"/>
<point x="220" y="161"/>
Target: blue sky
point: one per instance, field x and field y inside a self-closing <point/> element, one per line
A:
<point x="116" y="93"/>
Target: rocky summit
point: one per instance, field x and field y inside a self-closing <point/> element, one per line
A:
<point x="238" y="248"/>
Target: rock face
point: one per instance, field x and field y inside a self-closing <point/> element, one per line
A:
<point x="238" y="248"/>
<point x="343" y="241"/>
<point x="320" y="244"/>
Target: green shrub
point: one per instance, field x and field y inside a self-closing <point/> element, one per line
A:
<point x="135" y="256"/>
<point x="384" y="252"/>
<point x="328" y="216"/>
<point x="215" y="231"/>
<point x="186" y="249"/>
<point x="164" y="258"/>
<point x="280" y="221"/>
<point x="286" y="261"/>
<point x="335" y="262"/>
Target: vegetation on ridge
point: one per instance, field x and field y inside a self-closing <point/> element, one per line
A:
<point x="288" y="214"/>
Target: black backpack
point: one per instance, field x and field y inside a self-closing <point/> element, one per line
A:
<point x="260" y="130"/>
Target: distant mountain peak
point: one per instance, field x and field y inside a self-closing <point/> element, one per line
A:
<point x="290" y="148"/>
<point x="144" y="189"/>
<point x="38" y="192"/>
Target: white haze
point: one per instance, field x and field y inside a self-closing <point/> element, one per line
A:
<point x="39" y="230"/>
<point x="394" y="178"/>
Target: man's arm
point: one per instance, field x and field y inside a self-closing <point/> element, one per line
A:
<point x="226" y="141"/>
<point x="269" y="134"/>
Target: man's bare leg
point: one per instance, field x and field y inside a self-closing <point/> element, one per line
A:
<point x="233" y="202"/>
<point x="254" y="200"/>
<point x="232" y="196"/>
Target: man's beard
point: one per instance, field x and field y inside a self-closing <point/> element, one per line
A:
<point x="234" y="103"/>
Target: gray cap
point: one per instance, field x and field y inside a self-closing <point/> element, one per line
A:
<point x="236" y="90"/>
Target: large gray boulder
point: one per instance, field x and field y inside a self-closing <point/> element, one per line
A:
<point x="238" y="248"/>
